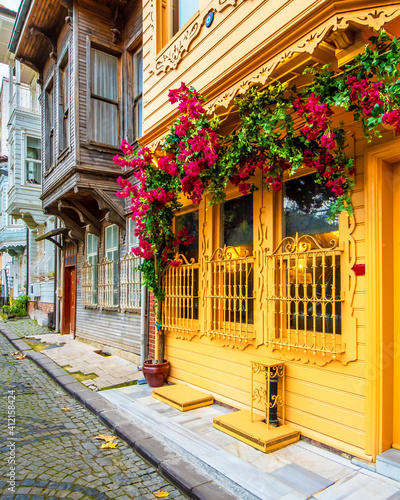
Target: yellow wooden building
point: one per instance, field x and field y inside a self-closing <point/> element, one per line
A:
<point x="240" y="295"/>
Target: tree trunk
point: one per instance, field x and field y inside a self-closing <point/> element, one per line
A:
<point x="160" y="333"/>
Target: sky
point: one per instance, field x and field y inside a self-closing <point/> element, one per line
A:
<point x="13" y="5"/>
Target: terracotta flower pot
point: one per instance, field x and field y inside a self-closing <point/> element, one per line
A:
<point x="156" y="374"/>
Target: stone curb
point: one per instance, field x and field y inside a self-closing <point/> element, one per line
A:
<point x="191" y="481"/>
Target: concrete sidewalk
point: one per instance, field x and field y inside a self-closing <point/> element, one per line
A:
<point x="202" y="461"/>
<point x="78" y="357"/>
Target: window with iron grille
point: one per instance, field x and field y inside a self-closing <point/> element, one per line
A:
<point x="108" y="270"/>
<point x="181" y="284"/>
<point x="230" y="273"/>
<point x="89" y="272"/>
<point x="130" y="276"/>
<point x="303" y="274"/>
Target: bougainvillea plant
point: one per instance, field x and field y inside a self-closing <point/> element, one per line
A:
<point x="279" y="131"/>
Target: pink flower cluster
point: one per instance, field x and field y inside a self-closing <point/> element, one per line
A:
<point x="183" y="237"/>
<point x="198" y="147"/>
<point x="365" y="93"/>
<point x="143" y="199"/>
<point x="168" y="164"/>
<point x="316" y="116"/>
<point x="392" y="118"/>
<point x="189" y="101"/>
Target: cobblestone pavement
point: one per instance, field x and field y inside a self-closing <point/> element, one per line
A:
<point x="56" y="453"/>
<point x="26" y="326"/>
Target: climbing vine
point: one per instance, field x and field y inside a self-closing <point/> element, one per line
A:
<point x="280" y="130"/>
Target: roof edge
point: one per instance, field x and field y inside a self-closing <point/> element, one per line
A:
<point x="18" y="25"/>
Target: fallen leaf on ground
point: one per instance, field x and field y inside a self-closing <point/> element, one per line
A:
<point x="21" y="357"/>
<point x="109" y="444"/>
<point x="161" y="494"/>
<point x="66" y="409"/>
<point x="106" y="437"/>
<point x="14" y="353"/>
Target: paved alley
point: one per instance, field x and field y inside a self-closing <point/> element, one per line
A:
<point x="57" y="454"/>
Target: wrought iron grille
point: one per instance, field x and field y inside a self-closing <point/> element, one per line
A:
<point x="108" y="283"/>
<point x="262" y="398"/>
<point x="181" y="305"/>
<point x="130" y="282"/>
<point x="89" y="293"/>
<point x="230" y="293"/>
<point x="303" y="297"/>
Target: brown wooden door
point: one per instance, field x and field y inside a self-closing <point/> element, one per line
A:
<point x="69" y="301"/>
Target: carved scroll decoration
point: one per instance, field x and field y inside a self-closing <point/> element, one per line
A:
<point x="173" y="55"/>
<point x="373" y="19"/>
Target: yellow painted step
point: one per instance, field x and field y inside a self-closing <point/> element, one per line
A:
<point x="239" y="425"/>
<point x="182" y="397"/>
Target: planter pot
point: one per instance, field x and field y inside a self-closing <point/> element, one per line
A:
<point x="156" y="374"/>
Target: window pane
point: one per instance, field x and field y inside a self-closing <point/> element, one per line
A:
<point x="33" y="148"/>
<point x="187" y="9"/>
<point x="66" y="87"/>
<point x="191" y="222"/>
<point x="33" y="172"/>
<point x="115" y="236"/>
<point x="138" y="76"/>
<point x="238" y="222"/>
<point x="104" y="75"/>
<point x="104" y="122"/>
<point x="108" y="237"/>
<point x="306" y="207"/>
<point x="89" y="244"/>
<point x="133" y="240"/>
<point x="139" y="118"/>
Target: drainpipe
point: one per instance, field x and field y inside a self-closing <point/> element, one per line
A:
<point x="27" y="261"/>
<point x="143" y="326"/>
<point x="55" y="308"/>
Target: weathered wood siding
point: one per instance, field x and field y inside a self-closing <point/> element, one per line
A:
<point x="62" y="164"/>
<point x="116" y="329"/>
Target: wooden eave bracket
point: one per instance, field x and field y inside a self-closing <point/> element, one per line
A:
<point x="84" y="215"/>
<point x="35" y="31"/>
<point x="115" y="214"/>
<point x="75" y="231"/>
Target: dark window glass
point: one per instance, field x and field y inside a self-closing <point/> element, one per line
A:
<point x="306" y="207"/>
<point x="191" y="222"/>
<point x="238" y="222"/>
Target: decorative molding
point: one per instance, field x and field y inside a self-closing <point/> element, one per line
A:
<point x="173" y="54"/>
<point x="374" y="19"/>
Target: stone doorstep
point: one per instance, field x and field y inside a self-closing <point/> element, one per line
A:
<point x="388" y="464"/>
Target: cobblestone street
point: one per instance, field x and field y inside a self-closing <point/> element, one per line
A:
<point x="57" y="455"/>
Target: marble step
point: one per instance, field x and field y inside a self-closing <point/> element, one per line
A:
<point x="388" y="464"/>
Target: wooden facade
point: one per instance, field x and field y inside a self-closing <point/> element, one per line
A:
<point x="343" y="396"/>
<point x="79" y="177"/>
<point x="342" y="392"/>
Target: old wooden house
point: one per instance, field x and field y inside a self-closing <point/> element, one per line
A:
<point x="89" y="58"/>
<point x="341" y="389"/>
<point x="342" y="369"/>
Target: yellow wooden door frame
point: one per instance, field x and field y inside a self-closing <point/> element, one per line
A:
<point x="379" y="188"/>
